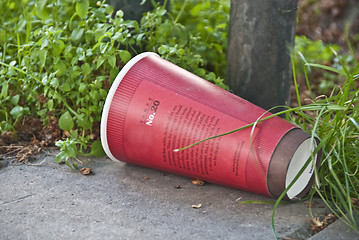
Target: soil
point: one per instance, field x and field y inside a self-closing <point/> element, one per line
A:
<point x="327" y="20"/>
<point x="31" y="135"/>
<point x="333" y="22"/>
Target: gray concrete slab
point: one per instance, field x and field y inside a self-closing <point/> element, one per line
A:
<point x="123" y="201"/>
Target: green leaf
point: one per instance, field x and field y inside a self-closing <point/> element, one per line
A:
<point x="164" y="29"/>
<point x="354" y="122"/>
<point x="197" y="9"/>
<point x="84" y="123"/>
<point x="75" y="72"/>
<point x="112" y="61"/>
<point x="99" y="15"/>
<point x="17" y="111"/>
<point x="42" y="58"/>
<point x="77" y="34"/>
<point x="89" y="35"/>
<point x="100" y="60"/>
<point x="113" y="74"/>
<point x="86" y="68"/>
<point x="82" y="8"/>
<point x="132" y="24"/>
<point x="54" y="82"/>
<point x="58" y="46"/>
<point x="68" y="150"/>
<point x="15" y="99"/>
<point x="60" y="156"/>
<point x="96" y="149"/>
<point x="108" y="9"/>
<point x="162" y="12"/>
<point x="94" y="95"/>
<point x="139" y="38"/>
<point x="80" y="53"/>
<point x="65" y="87"/>
<point x="103" y="47"/>
<point x="125" y="56"/>
<point x="163" y="49"/>
<point x="61" y="68"/>
<point x="68" y="53"/>
<point x="74" y="134"/>
<point x="82" y="87"/>
<point x="50" y="104"/>
<point x="44" y="42"/>
<point x="99" y="33"/>
<point x="4" y="90"/>
<point x="103" y="93"/>
<point x="118" y="36"/>
<point x="66" y="122"/>
<point x="89" y="52"/>
<point x="41" y="10"/>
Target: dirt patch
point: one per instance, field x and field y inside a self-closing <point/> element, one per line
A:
<point x="31" y="135"/>
<point x="328" y="20"/>
<point x="333" y="22"/>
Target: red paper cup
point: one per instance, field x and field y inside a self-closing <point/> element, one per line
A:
<point x="155" y="107"/>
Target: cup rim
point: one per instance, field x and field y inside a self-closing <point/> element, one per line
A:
<point x="110" y="96"/>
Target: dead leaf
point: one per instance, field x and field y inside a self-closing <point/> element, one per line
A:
<point x="177" y="187"/>
<point x="197" y="206"/>
<point x="317" y="222"/>
<point x="317" y="225"/>
<point x="197" y="182"/>
<point x="238" y="199"/>
<point x="86" y="171"/>
<point x="309" y="203"/>
<point x="330" y="218"/>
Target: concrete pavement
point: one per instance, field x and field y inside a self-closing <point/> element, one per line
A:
<point x="123" y="201"/>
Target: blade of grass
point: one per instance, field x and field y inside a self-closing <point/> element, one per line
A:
<point x="310" y="160"/>
<point x="295" y="81"/>
<point x="340" y="72"/>
<point x="310" y="107"/>
<point x="264" y="202"/>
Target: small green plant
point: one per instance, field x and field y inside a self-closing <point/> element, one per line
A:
<point x="58" y="59"/>
<point x="207" y="23"/>
<point x="193" y="36"/>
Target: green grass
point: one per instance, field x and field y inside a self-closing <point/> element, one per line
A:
<point x="334" y="120"/>
<point x="338" y="179"/>
<point x="336" y="125"/>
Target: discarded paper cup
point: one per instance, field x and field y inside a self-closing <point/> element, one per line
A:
<point x="155" y="107"/>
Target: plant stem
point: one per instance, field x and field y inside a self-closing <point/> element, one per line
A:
<point x="20" y="70"/>
<point x="181" y="11"/>
<point x="295" y="81"/>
